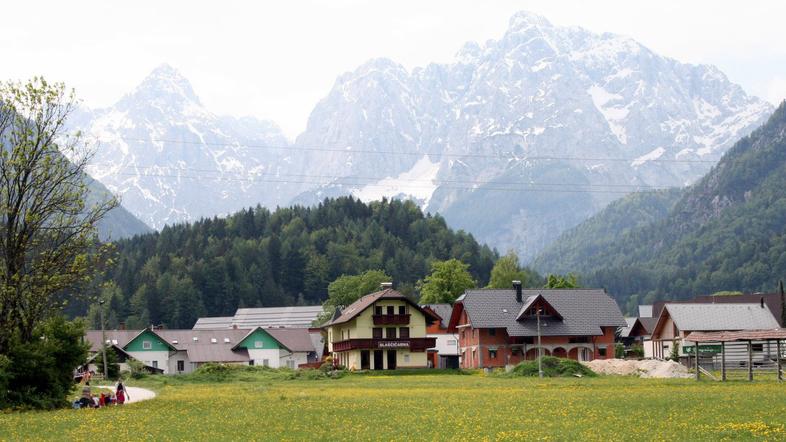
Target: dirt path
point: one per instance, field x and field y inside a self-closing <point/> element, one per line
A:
<point x="135" y="394"/>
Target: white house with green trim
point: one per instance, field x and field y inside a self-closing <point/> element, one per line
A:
<point x="182" y="351"/>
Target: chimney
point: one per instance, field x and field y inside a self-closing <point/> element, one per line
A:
<point x="761" y="300"/>
<point x="386" y="285"/>
<point x="121" y="325"/>
<point x="517" y="287"/>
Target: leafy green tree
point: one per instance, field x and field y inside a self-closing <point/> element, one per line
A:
<point x="507" y="269"/>
<point x="48" y="218"/>
<point x="347" y="289"/>
<point x="448" y="280"/>
<point x="569" y="281"/>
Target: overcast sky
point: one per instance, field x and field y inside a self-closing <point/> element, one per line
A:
<point x="275" y="60"/>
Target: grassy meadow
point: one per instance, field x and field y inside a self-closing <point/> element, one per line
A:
<point x="269" y="405"/>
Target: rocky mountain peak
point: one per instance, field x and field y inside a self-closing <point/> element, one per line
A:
<point x="165" y="86"/>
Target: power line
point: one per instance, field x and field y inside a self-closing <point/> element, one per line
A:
<point x="371" y="179"/>
<point x="504" y="189"/>
<point x="351" y="150"/>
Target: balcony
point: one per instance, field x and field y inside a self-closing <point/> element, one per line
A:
<point x="391" y="319"/>
<point x="412" y="344"/>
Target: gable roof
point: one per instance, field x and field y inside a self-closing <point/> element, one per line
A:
<point x="531" y="301"/>
<point x="583" y="311"/>
<point x="367" y="301"/>
<point x="153" y="332"/>
<point x="441" y="310"/>
<point x="717" y="317"/>
<point x="292" y="339"/>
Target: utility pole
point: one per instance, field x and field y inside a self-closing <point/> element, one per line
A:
<point x="540" y="347"/>
<point x="103" y="338"/>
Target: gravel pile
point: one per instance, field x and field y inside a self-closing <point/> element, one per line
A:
<point x="647" y="368"/>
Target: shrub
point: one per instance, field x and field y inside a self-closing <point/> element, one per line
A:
<point x="136" y="369"/>
<point x="637" y="351"/>
<point x="552" y="367"/>
<point x="675" y="351"/>
<point x="619" y="350"/>
<point x="40" y="373"/>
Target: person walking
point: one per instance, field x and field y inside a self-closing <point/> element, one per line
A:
<point x="121" y="393"/>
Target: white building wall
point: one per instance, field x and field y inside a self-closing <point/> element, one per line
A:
<point x="181" y="355"/>
<point x="292" y="360"/>
<point x="158" y="359"/>
<point x="447" y="344"/>
<point x="260" y="355"/>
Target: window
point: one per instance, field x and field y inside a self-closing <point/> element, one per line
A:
<point x="378" y="310"/>
<point x="258" y="344"/>
<point x="155" y="364"/>
<point x="492" y="354"/>
<point x="251" y="362"/>
<point x="291" y="364"/>
<point x="492" y="332"/>
<point x="757" y="347"/>
<point x="266" y="362"/>
<point x="602" y="351"/>
<point x="451" y="342"/>
<point x="376" y="333"/>
<point x="391" y="310"/>
<point x="390" y="332"/>
<point x="403" y="332"/>
<point x="181" y="365"/>
<point x="147" y="345"/>
<point x="406" y="357"/>
<point x="402" y="310"/>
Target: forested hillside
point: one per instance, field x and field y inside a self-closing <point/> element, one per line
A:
<point x="261" y="258"/>
<point x="726" y="232"/>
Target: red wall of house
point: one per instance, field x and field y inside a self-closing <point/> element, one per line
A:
<point x="469" y="337"/>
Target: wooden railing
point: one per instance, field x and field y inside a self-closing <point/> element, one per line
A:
<point x="391" y="319"/>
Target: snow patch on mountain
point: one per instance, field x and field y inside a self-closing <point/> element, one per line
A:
<point x="417" y="184"/>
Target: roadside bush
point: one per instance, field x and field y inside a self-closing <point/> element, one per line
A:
<point x="553" y="368"/>
<point x="619" y="351"/>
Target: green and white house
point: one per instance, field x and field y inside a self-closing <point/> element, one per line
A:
<point x="182" y="351"/>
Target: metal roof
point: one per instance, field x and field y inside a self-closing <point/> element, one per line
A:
<point x="583" y="311"/>
<point x="719" y="317"/>
<point x="213" y="323"/>
<point x="645" y="311"/>
<point x="248" y="318"/>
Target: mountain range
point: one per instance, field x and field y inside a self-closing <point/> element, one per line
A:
<point x="726" y="232"/>
<point x="516" y="141"/>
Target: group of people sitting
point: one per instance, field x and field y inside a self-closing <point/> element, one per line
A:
<point x="88" y="400"/>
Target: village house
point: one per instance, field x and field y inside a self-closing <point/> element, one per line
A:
<point x="500" y="327"/>
<point x="678" y="320"/>
<point x="382" y="330"/>
<point x="183" y="351"/>
<point x="445" y="353"/>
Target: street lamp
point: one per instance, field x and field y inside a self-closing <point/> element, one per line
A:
<point x="103" y="338"/>
<point x="540" y="346"/>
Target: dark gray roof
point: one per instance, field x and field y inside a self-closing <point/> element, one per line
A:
<point x="584" y="311"/>
<point x="442" y="310"/>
